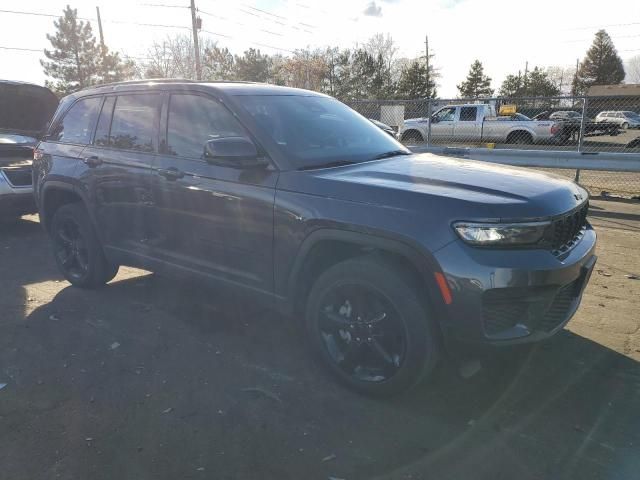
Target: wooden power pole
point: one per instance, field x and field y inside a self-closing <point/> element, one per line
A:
<point x="100" y="26"/>
<point x="196" y="46"/>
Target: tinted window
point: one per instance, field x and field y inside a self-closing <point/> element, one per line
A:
<point x="468" y="114"/>
<point x="77" y="125"/>
<point x="193" y="120"/>
<point x="104" y="122"/>
<point x="134" y="120"/>
<point x="314" y="130"/>
<point x="446" y="114"/>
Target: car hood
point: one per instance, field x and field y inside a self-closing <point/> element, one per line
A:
<point x="444" y="187"/>
<point x="25" y="108"/>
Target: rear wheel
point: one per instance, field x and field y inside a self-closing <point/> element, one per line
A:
<point x="520" y="138"/>
<point x="412" y="136"/>
<point x="370" y="327"/>
<point x="77" y="249"/>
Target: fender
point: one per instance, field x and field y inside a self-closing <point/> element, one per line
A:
<point x="50" y="184"/>
<point x="423" y="260"/>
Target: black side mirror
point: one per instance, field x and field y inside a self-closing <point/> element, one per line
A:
<point x="233" y="151"/>
<point x="435" y="119"/>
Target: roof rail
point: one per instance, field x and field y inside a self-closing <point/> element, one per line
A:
<point x="145" y="80"/>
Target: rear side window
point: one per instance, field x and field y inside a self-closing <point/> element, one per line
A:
<point x="468" y="114"/>
<point x="194" y="120"/>
<point x="78" y="124"/>
<point x="133" y="126"/>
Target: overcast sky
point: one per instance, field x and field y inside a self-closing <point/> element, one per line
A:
<point x="503" y="34"/>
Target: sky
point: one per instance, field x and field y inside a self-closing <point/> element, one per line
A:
<point x="503" y="34"/>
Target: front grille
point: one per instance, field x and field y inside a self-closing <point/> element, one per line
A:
<point x="564" y="232"/>
<point x="534" y="308"/>
<point x="18" y="177"/>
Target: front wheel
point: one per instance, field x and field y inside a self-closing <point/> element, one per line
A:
<point x="77" y="249"/>
<point x="625" y="126"/>
<point x="371" y="328"/>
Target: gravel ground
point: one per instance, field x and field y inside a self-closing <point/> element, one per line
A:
<point x="154" y="379"/>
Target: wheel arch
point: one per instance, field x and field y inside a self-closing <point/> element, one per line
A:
<point x="410" y="131"/>
<point x="54" y="195"/>
<point x="326" y="247"/>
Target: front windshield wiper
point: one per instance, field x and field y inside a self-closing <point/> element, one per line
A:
<point x="392" y="153"/>
<point x="337" y="163"/>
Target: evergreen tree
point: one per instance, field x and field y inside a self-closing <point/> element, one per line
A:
<point x="415" y="83"/>
<point x="73" y="62"/>
<point x="76" y="61"/>
<point x="253" y="66"/>
<point x="535" y="84"/>
<point x="601" y="66"/>
<point x="477" y="83"/>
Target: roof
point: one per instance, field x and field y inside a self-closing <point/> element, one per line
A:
<point x="228" y="87"/>
<point x="624" y="89"/>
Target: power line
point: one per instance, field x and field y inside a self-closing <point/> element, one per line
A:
<point x="21" y="49"/>
<point x="603" y="26"/>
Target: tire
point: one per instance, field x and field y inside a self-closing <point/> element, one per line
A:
<point x="77" y="249"/>
<point x="368" y="324"/>
<point x="520" y="138"/>
<point x="625" y="126"/>
<point x="412" y="136"/>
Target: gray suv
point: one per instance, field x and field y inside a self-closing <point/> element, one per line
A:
<point x="387" y="257"/>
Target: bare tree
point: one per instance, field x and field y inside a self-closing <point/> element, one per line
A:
<point x="561" y="77"/>
<point x="633" y="70"/>
<point x="175" y="58"/>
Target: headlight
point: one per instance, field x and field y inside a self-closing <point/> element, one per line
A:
<point x="501" y="233"/>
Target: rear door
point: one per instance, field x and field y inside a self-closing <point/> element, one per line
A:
<point x="213" y="218"/>
<point x="116" y="170"/>
<point x="468" y="127"/>
<point x="62" y="148"/>
<point x="442" y="123"/>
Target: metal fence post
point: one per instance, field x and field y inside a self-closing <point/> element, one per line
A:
<point x="429" y="124"/>
<point x="583" y="120"/>
<point x="585" y="102"/>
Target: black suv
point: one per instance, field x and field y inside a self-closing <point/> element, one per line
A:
<point x="297" y="199"/>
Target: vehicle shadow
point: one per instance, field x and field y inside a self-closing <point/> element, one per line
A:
<point x="151" y="378"/>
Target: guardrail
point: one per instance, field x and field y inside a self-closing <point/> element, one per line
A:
<point x="602" y="161"/>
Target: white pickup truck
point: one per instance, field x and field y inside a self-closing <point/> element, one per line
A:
<point x="479" y="123"/>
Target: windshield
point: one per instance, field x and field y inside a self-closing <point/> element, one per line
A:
<point x="316" y="131"/>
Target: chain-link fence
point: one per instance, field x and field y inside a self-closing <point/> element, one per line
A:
<point x="584" y="124"/>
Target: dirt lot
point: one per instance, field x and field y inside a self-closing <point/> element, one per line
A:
<point x="152" y="379"/>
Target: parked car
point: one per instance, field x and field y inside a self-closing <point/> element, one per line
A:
<point x="571" y="122"/>
<point x="384" y="127"/>
<point x="477" y="123"/>
<point x="292" y="197"/>
<point x="25" y="110"/>
<point x="626" y="119"/>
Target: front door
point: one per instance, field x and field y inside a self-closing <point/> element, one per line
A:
<point x="442" y="123"/>
<point x="213" y="218"/>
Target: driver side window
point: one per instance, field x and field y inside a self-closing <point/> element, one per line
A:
<point x="445" y="115"/>
<point x="193" y="121"/>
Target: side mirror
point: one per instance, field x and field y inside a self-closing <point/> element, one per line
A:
<point x="233" y="151"/>
<point x="435" y="119"/>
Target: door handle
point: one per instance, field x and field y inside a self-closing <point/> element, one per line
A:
<point x="170" y="173"/>
<point x="92" y="161"/>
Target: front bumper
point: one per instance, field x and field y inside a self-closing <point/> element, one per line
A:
<point x="15" y="200"/>
<point x="513" y="296"/>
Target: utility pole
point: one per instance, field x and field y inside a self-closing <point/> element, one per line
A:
<point x="428" y="73"/>
<point x="100" y="27"/>
<point x="196" y="46"/>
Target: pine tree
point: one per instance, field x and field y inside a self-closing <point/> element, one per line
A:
<point x="415" y="83"/>
<point x="253" y="66"/>
<point x="73" y="62"/>
<point x="76" y="61"/>
<point x="601" y="66"/>
<point x="535" y="84"/>
<point x="477" y="83"/>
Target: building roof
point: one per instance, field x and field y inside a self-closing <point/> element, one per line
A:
<point x="626" y="89"/>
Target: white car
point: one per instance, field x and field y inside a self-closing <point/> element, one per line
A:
<point x="624" y="118"/>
